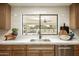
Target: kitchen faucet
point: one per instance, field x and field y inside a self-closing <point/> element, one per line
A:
<point x="39" y="34"/>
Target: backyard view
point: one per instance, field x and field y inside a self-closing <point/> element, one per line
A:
<point x="46" y="24"/>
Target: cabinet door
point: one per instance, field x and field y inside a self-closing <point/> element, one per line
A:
<point x="76" y="50"/>
<point x="5" y="50"/>
<point x="32" y="52"/>
<point x="18" y="50"/>
<point x="2" y="16"/>
<point x="5" y="53"/>
<point x="40" y="50"/>
<point x="64" y="50"/>
<point x="5" y="16"/>
<point x="47" y="52"/>
<point x="19" y="53"/>
<point x="18" y="47"/>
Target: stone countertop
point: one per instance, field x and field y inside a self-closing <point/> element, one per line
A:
<point x="24" y="40"/>
<point x="54" y="39"/>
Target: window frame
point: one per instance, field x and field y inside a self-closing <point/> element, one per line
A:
<point x="40" y="22"/>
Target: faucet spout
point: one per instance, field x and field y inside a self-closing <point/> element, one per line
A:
<point x="39" y="36"/>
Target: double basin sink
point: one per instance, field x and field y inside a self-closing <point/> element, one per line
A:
<point x="40" y="40"/>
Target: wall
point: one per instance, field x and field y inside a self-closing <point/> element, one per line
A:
<point x="16" y="14"/>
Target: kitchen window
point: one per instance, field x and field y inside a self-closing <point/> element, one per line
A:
<point x="35" y="24"/>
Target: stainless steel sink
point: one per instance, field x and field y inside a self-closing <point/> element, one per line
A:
<point x="42" y="40"/>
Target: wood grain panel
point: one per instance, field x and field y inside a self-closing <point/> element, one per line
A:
<point x="19" y="53"/>
<point x="5" y="16"/>
<point x="19" y="47"/>
<point x="74" y="18"/>
<point x="76" y="50"/>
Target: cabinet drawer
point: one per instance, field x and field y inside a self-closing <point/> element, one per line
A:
<point x="76" y="50"/>
<point x="32" y="53"/>
<point x="76" y="54"/>
<point x="5" y="53"/>
<point x="76" y="47"/>
<point x="64" y="50"/>
<point x="40" y="47"/>
<point x="18" y="53"/>
<point x="5" y="47"/>
<point x="47" y="53"/>
<point x="22" y="47"/>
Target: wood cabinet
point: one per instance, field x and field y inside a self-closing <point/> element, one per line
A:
<point x="5" y="50"/>
<point x="74" y="18"/>
<point x="40" y="50"/>
<point x="12" y="50"/>
<point x="18" y="50"/>
<point x="27" y="50"/>
<point x="33" y="53"/>
<point x="64" y="50"/>
<point x="48" y="52"/>
<point x="18" y="53"/>
<point x="5" y="16"/>
<point x="76" y="50"/>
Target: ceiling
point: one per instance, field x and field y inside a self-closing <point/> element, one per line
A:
<point x="39" y="4"/>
